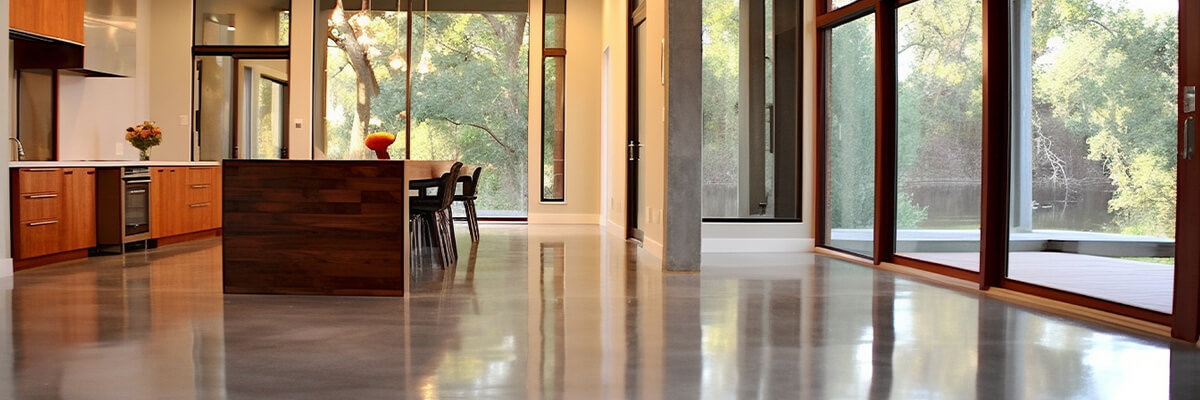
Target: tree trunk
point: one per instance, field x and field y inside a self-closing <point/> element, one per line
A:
<point x="368" y="86"/>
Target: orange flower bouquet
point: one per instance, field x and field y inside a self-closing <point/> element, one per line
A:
<point x="379" y="141"/>
<point x="144" y="136"/>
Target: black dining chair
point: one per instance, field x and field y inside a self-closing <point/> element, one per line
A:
<point x="470" y="186"/>
<point x="430" y="220"/>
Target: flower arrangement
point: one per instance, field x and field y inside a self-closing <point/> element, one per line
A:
<point x="379" y="141"/>
<point x="143" y="136"/>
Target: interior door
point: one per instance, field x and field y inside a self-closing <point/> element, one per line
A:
<point x="637" y="108"/>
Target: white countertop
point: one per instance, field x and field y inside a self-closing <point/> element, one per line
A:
<point x="111" y="164"/>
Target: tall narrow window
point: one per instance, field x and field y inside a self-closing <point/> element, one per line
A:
<point x="554" y="61"/>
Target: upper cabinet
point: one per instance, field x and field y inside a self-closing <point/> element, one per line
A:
<point x="61" y="19"/>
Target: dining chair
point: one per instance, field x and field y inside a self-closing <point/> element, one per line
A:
<point x="430" y="218"/>
<point x="470" y="186"/>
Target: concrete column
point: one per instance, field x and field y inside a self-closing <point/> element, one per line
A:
<point x="682" y="219"/>
<point x="1021" y="204"/>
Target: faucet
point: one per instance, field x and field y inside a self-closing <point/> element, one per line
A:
<point x="20" y="148"/>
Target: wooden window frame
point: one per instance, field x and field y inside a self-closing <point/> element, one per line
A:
<point x="996" y="145"/>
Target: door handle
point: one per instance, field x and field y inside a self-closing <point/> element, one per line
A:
<point x="42" y="196"/>
<point x="137" y="191"/>
<point x="198" y="205"/>
<point x="139" y="181"/>
<point x="42" y="223"/>
<point x="1189" y="138"/>
<point x="199" y="186"/>
<point x="634" y="151"/>
<point x="771" y="128"/>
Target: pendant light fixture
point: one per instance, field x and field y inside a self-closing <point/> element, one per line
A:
<point x="396" y="61"/>
<point x="425" y="66"/>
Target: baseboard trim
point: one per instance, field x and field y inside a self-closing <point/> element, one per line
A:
<point x="21" y="265"/>
<point x="653" y="247"/>
<point x="757" y="245"/>
<point x="565" y="219"/>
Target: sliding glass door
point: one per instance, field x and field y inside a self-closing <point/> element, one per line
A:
<point x="1094" y="149"/>
<point x="939" y="128"/>
<point x="449" y="79"/>
<point x="751" y="144"/>
<point x="849" y="139"/>
<point x="1040" y="146"/>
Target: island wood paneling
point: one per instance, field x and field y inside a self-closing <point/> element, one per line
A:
<point x="314" y="227"/>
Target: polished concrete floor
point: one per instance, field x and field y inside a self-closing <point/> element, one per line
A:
<point x="558" y="312"/>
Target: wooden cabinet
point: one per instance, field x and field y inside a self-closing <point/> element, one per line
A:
<point x="184" y="200"/>
<point x="60" y="19"/>
<point x="54" y="210"/>
<point x="79" y="208"/>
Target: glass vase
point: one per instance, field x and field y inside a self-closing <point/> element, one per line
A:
<point x="143" y="154"/>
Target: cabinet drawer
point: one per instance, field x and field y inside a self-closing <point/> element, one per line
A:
<point x="201" y="216"/>
<point x="201" y="175"/>
<point x="37" y="238"/>
<point x="34" y="180"/>
<point x="199" y="193"/>
<point x="41" y="206"/>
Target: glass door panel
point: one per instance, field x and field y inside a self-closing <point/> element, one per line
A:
<point x="262" y="121"/>
<point x="850" y="137"/>
<point x="750" y="151"/>
<point x="1095" y="149"/>
<point x="939" y="127"/>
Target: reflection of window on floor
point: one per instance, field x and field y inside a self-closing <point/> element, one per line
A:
<point x="467" y="67"/>
<point x="749" y="70"/>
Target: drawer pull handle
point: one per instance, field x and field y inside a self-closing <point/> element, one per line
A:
<point x="199" y="186"/>
<point x="139" y="181"/>
<point x="199" y="205"/>
<point x="41" y="169"/>
<point x="43" y="223"/>
<point x="42" y="196"/>
<point x="137" y="191"/>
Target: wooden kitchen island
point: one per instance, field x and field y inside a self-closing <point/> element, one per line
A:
<point x="319" y="227"/>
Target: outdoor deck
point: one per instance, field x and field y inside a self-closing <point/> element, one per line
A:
<point x="1077" y="262"/>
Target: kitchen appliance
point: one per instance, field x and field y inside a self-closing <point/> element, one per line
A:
<point x="123" y="201"/>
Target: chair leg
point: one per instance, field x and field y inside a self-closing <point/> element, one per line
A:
<point x="450" y="230"/>
<point x="472" y="219"/>
<point x="443" y="241"/>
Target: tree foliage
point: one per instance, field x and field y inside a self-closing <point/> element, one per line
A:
<point x="469" y="94"/>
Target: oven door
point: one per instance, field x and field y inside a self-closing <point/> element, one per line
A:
<point x="137" y="207"/>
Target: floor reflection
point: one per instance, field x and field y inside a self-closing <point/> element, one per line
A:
<point x="556" y="312"/>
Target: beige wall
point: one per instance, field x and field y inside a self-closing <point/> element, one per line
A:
<point x="170" y="75"/>
<point x="653" y="161"/>
<point x="582" y="119"/>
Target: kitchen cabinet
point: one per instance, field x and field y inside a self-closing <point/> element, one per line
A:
<point x="184" y="200"/>
<point x="59" y="19"/>
<point x="54" y="210"/>
<point x="78" y="229"/>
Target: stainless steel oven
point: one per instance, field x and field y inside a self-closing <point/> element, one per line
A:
<point x="123" y="207"/>
<point x="136" y="182"/>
